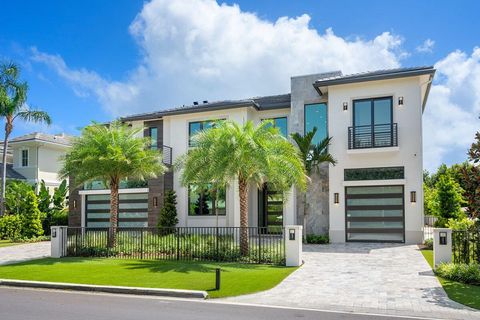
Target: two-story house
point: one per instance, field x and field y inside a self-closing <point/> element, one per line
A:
<point x="373" y="193"/>
<point x="37" y="157"/>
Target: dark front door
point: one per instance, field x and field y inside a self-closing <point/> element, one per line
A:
<point x="270" y="209"/>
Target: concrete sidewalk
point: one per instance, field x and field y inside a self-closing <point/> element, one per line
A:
<point x="373" y="278"/>
<point x="24" y="252"/>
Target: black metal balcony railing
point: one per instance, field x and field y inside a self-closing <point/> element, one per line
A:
<point x="167" y="155"/>
<point x="373" y="136"/>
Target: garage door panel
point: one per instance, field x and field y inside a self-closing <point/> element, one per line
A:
<point x="375" y="213"/>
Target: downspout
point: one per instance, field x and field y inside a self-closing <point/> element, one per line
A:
<point x="37" y="171"/>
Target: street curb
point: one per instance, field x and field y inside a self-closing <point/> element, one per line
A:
<point x="196" y="294"/>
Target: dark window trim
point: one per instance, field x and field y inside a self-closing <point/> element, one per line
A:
<point x="213" y="204"/>
<point x="372" y="111"/>
<point x="305" y="115"/>
<point x="376" y="230"/>
<point x="346" y="178"/>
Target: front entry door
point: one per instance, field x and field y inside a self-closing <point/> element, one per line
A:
<point x="270" y="209"/>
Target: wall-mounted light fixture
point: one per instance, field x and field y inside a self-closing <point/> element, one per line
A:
<point x="413" y="196"/>
<point x="74" y="204"/>
<point x="345" y="106"/>
<point x="400" y="101"/>
<point x="336" y="198"/>
<point x="155" y="202"/>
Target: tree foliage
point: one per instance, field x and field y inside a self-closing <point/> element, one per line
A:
<point x="448" y="199"/>
<point x="168" y="213"/>
<point x="471" y="176"/>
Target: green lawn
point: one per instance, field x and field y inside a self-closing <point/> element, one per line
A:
<point x="466" y="294"/>
<point x="7" y="243"/>
<point x="236" y="279"/>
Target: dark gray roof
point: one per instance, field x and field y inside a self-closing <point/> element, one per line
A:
<point x="259" y="103"/>
<point x="11" y="173"/>
<point x="374" y="75"/>
<point x="39" y="136"/>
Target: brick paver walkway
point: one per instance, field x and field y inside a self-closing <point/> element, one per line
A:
<point x="371" y="278"/>
<point x="23" y="252"/>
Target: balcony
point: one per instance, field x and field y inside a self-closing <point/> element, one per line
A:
<point x="373" y="136"/>
<point x="167" y="155"/>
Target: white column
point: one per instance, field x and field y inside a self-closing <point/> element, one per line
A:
<point x="442" y="245"/>
<point x="289" y="207"/>
<point x="58" y="243"/>
<point x="293" y="245"/>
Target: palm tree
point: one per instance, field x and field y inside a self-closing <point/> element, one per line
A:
<point x="13" y="97"/>
<point x="247" y="154"/>
<point x="313" y="155"/>
<point x="111" y="153"/>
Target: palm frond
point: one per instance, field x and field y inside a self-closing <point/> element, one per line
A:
<point x="34" y="116"/>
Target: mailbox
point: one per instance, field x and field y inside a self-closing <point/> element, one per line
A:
<point x="291" y="234"/>
<point x="443" y="238"/>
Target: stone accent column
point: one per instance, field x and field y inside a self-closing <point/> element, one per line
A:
<point x="74" y="204"/>
<point x="442" y="246"/>
<point x="293" y="245"/>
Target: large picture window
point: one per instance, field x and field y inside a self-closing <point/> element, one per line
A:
<point x="206" y="201"/>
<point x="280" y="123"/>
<point x="316" y="116"/>
<point x="197" y="126"/>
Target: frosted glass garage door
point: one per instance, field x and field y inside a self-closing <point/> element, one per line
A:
<point x="375" y="213"/>
<point x="132" y="210"/>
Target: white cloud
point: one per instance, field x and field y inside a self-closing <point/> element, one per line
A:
<point x="200" y="50"/>
<point x="426" y="46"/>
<point x="451" y="116"/>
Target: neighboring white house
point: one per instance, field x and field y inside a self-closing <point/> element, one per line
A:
<point x="36" y="156"/>
<point x="374" y="192"/>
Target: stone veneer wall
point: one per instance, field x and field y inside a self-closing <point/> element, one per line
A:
<point x="74" y="214"/>
<point x="317" y="210"/>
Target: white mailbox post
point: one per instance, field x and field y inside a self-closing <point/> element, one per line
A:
<point x="442" y="245"/>
<point x="293" y="246"/>
<point x="58" y="244"/>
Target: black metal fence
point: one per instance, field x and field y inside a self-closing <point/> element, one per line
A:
<point x="466" y="246"/>
<point x="181" y="243"/>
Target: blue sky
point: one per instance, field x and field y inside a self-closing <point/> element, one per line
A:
<point x="95" y="60"/>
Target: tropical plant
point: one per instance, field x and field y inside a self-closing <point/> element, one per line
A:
<point x="53" y="206"/>
<point x="313" y="155"/>
<point x="44" y="198"/>
<point x="247" y="154"/>
<point x="168" y="213"/>
<point x="15" y="189"/>
<point x="448" y="200"/>
<point x="10" y="227"/>
<point x="471" y="177"/>
<point x="13" y="97"/>
<point x="111" y="153"/>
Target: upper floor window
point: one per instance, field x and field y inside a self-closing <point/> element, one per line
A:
<point x="197" y="126"/>
<point x="316" y="116"/>
<point x="373" y="125"/>
<point x="24" y="158"/>
<point x="153" y="133"/>
<point x="282" y="124"/>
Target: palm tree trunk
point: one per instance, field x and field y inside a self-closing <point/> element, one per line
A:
<point x="114" y="185"/>
<point x="243" y="193"/>
<point x="8" y="130"/>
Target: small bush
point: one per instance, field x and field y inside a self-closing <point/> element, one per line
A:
<point x="10" y="227"/>
<point x="461" y="224"/>
<point x="428" y="243"/>
<point x="318" y="239"/>
<point x="460" y="272"/>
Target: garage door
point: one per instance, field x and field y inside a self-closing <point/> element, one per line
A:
<point x="375" y="213"/>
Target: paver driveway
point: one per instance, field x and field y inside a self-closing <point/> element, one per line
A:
<point x="23" y="252"/>
<point x="372" y="278"/>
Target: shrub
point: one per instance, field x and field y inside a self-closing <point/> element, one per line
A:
<point x="168" y="213"/>
<point x="317" y="239"/>
<point x="461" y="272"/>
<point x="428" y="243"/>
<point x="30" y="216"/>
<point x="461" y="224"/>
<point x="10" y="227"/>
<point x="448" y="200"/>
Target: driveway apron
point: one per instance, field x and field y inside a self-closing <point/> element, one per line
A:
<point x="358" y="277"/>
<point x="23" y="252"/>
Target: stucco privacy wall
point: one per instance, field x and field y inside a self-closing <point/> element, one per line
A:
<point x="302" y="93"/>
<point x="408" y="153"/>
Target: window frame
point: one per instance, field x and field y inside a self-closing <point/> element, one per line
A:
<point x="276" y="118"/>
<point x="214" y="204"/>
<point x="22" y="158"/>
<point x="372" y="109"/>
<point x="305" y="117"/>
<point x="153" y="143"/>
<point x="202" y="127"/>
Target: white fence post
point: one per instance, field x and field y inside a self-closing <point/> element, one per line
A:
<point x="442" y="245"/>
<point x="58" y="244"/>
<point x="293" y="245"/>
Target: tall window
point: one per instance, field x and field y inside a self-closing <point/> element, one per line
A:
<point x="372" y="112"/>
<point x="316" y="116"/>
<point x="197" y="126"/>
<point x="282" y="124"/>
<point x="25" y="158"/>
<point x="153" y="133"/>
<point x="205" y="201"/>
